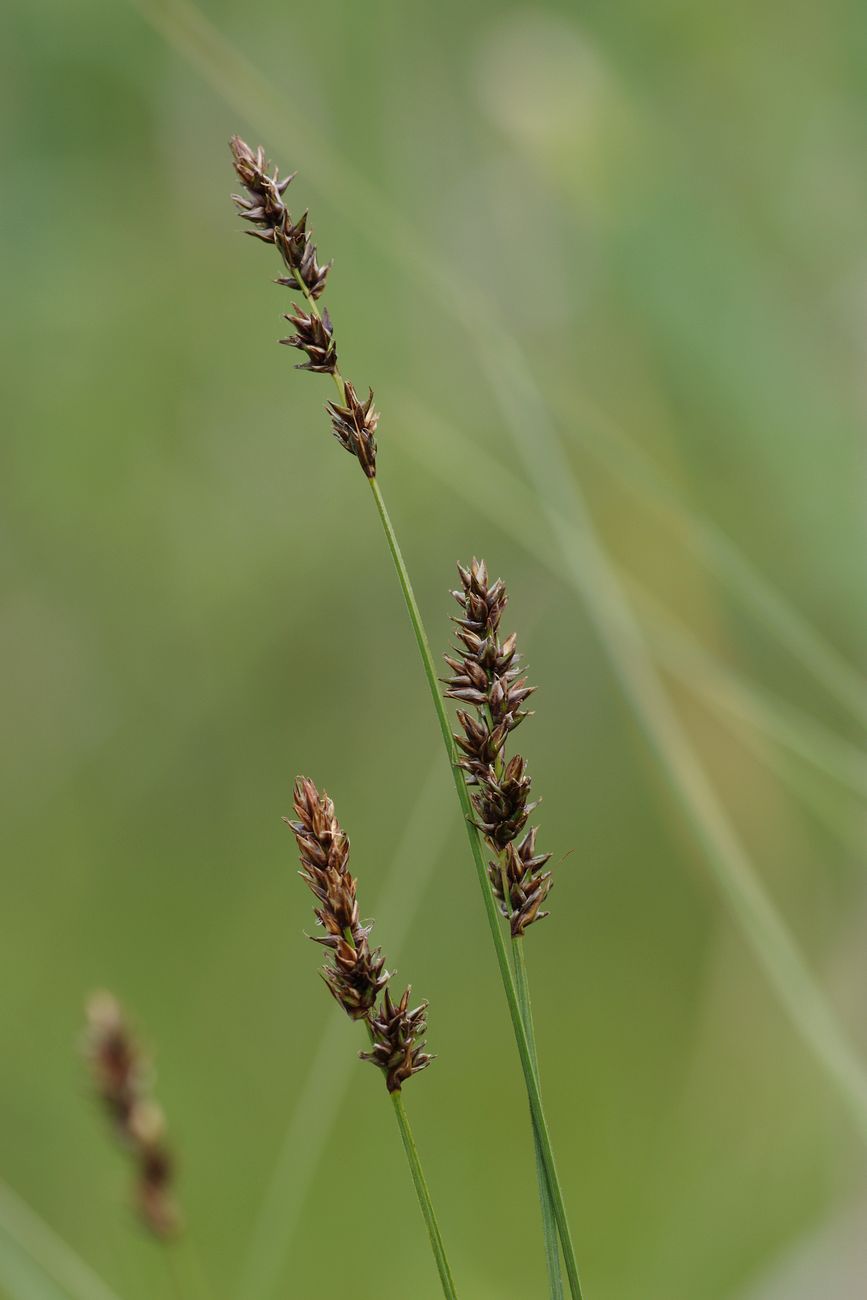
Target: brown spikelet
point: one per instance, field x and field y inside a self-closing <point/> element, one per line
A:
<point x="486" y="675"/>
<point x="121" y="1079"/>
<point x="355" y="975"/>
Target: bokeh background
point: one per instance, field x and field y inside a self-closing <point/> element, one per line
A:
<point x="618" y="246"/>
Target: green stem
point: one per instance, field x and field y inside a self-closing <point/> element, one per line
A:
<point x="549" y="1225"/>
<point x="530" y="1077"/>
<point x="418" y="1178"/>
<point x="424" y="1197"/>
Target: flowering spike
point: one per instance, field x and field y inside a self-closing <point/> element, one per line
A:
<point x="486" y="674"/>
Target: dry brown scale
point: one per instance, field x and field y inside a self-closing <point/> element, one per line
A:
<point x="120" y="1074"/>
<point x="355" y="975"/>
<point x="353" y="421"/>
<point x="486" y="674"/>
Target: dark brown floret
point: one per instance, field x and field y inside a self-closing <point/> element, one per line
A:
<point x="398" y="1040"/>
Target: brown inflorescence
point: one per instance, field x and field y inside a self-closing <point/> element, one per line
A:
<point x="356" y="975"/>
<point x="121" y="1079"/>
<point x="353" y="421"/>
<point x="486" y="674"/>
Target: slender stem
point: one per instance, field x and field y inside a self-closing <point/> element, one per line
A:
<point x="530" y="1078"/>
<point x="549" y="1225"/>
<point x="424" y="1197"/>
<point x="418" y="1178"/>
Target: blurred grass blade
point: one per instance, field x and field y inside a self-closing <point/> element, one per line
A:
<point x="53" y="1259"/>
<point x="21" y="1278"/>
<point x="833" y="808"/>
<point x="574" y="554"/>
<point x="632" y="466"/>
<point x="782" y="722"/>
<point x="329" y="1077"/>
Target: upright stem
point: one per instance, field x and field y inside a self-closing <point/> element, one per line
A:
<point x="424" y="1197"/>
<point x="521" y="1037"/>
<point x="549" y="1225"/>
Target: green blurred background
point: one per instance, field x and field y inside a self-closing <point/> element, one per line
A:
<point x="664" y="204"/>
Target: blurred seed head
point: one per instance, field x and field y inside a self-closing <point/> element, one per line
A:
<point x="122" y="1080"/>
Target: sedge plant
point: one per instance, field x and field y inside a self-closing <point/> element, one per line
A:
<point x="354" y="421"/>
